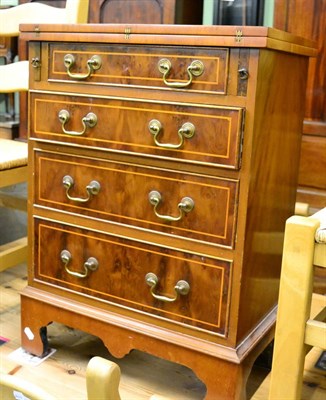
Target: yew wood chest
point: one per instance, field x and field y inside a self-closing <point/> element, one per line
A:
<point x="163" y="164"/>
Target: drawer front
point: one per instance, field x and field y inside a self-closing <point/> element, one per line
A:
<point x="191" y="69"/>
<point x="115" y="270"/>
<point x="193" y="134"/>
<point x="164" y="201"/>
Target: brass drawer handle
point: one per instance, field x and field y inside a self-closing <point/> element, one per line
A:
<point x="93" y="64"/>
<point x="196" y="68"/>
<point x="89" y="121"/>
<point x="185" y="206"/>
<point x="92" y="189"/>
<point x="181" y="288"/>
<point x="90" y="265"/>
<point x="187" y="131"/>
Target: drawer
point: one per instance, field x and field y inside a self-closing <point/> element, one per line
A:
<point x="194" y="207"/>
<point x="188" y="133"/>
<point x="176" y="68"/>
<point x="115" y="270"/>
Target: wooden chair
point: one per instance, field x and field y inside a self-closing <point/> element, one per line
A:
<point x="102" y="381"/>
<point x="14" y="78"/>
<point x="13" y="170"/>
<point x="304" y="248"/>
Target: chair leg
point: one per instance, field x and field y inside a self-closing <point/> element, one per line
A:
<point x="294" y="308"/>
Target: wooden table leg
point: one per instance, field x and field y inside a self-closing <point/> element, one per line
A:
<point x="34" y="327"/>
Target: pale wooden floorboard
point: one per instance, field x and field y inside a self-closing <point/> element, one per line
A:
<point x="143" y="376"/>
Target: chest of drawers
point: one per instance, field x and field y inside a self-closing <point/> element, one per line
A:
<point x="163" y="165"/>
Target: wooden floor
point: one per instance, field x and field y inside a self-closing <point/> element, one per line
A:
<point x="143" y="376"/>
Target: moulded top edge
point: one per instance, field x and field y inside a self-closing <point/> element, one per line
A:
<point x="235" y="36"/>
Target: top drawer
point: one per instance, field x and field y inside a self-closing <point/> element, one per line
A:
<point x="193" y="69"/>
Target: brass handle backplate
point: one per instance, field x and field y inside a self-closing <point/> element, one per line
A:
<point x="196" y="68"/>
<point x="90" y="265"/>
<point x="185" y="206"/>
<point x="89" y="121"/>
<point x="92" y="189"/>
<point x="93" y="64"/>
<point x="181" y="288"/>
<point x="186" y="131"/>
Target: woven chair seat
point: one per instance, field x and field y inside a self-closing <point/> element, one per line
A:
<point x="13" y="154"/>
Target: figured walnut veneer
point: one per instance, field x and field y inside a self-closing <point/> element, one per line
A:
<point x="123" y="265"/>
<point x="124" y="196"/>
<point x="123" y="125"/>
<point x="138" y="65"/>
